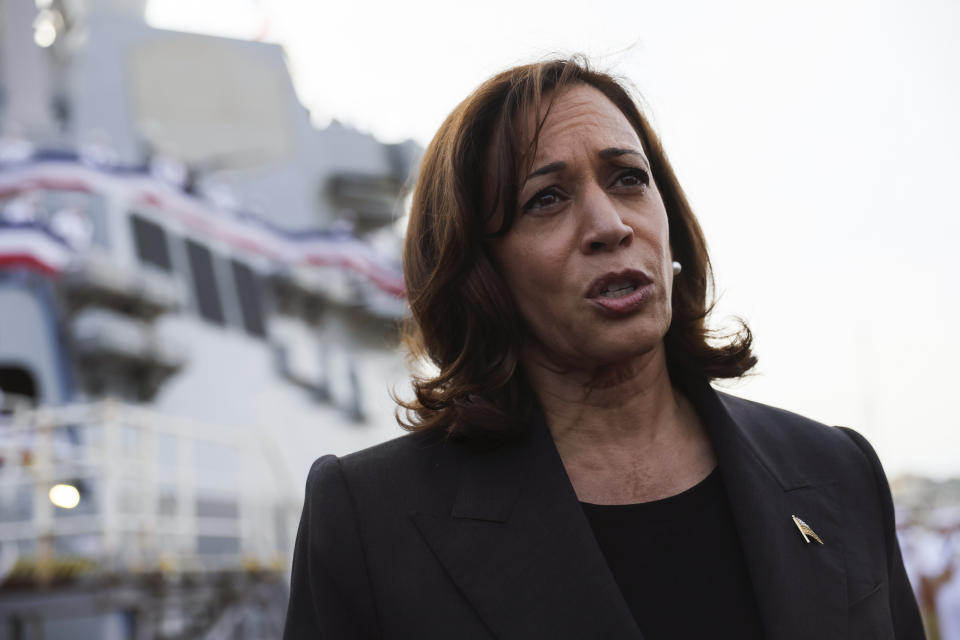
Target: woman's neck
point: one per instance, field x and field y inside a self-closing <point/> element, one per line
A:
<point x="624" y="433"/>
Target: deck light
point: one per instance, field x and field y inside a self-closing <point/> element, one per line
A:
<point x="65" y="496"/>
<point x="46" y="27"/>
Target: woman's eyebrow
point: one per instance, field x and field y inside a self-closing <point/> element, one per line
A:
<point x="605" y="154"/>
<point x="616" y="152"/>
<point x="547" y="168"/>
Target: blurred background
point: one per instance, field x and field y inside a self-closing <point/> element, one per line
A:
<point x="201" y="209"/>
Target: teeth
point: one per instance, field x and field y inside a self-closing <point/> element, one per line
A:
<point x="618" y="290"/>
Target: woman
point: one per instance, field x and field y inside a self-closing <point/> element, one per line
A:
<point x="571" y="473"/>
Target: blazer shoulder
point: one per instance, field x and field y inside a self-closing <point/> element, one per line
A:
<point x="399" y="453"/>
<point x="803" y="447"/>
<point x="756" y="416"/>
<point x="416" y="471"/>
<point x="330" y="592"/>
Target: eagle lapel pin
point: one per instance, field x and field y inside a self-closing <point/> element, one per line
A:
<point x="805" y="530"/>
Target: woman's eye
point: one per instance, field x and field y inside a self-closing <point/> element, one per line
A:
<point x="542" y="200"/>
<point x="633" y="178"/>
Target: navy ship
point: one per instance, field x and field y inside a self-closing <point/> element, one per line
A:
<point x="189" y="316"/>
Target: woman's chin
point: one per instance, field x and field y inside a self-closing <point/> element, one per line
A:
<point x="600" y="360"/>
<point x="629" y="357"/>
<point x="625" y="346"/>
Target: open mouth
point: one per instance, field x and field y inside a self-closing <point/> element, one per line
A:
<point x="618" y="289"/>
<point x="617" y="284"/>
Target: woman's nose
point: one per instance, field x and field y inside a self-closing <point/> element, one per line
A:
<point x="602" y="227"/>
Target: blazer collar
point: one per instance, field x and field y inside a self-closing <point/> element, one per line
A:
<point x="520" y="549"/>
<point x="800" y="587"/>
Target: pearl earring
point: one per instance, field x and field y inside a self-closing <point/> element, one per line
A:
<point x="677" y="268"/>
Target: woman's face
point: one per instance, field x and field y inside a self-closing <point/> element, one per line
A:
<point x="588" y="257"/>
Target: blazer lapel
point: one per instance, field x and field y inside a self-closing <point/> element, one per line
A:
<point x="520" y="549"/>
<point x="800" y="587"/>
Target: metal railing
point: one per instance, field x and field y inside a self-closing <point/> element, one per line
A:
<point x="153" y="493"/>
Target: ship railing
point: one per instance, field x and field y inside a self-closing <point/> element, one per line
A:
<point x="113" y="488"/>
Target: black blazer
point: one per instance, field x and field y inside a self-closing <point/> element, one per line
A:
<point x="426" y="538"/>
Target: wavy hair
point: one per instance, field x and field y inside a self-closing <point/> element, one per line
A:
<point x="463" y="318"/>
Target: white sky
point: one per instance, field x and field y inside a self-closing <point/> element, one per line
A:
<point x="818" y="143"/>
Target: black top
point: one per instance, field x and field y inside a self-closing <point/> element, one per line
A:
<point x="679" y="564"/>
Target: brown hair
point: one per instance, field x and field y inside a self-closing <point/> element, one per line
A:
<point x="463" y="318"/>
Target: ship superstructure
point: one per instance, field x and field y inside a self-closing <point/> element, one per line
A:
<point x="185" y="324"/>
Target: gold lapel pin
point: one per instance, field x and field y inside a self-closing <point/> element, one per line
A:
<point x="805" y="530"/>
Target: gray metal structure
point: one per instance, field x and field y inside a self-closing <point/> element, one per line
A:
<point x="199" y="294"/>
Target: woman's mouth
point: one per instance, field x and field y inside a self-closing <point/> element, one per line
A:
<point x="620" y="292"/>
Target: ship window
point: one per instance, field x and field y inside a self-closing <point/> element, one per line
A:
<point x="218" y="545"/>
<point x="19" y="385"/>
<point x="167" y="501"/>
<point x="213" y="508"/>
<point x="150" y="240"/>
<point x="204" y="282"/>
<point x="248" y="291"/>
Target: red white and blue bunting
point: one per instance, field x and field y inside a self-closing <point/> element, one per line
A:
<point x="34" y="247"/>
<point x="45" y="247"/>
